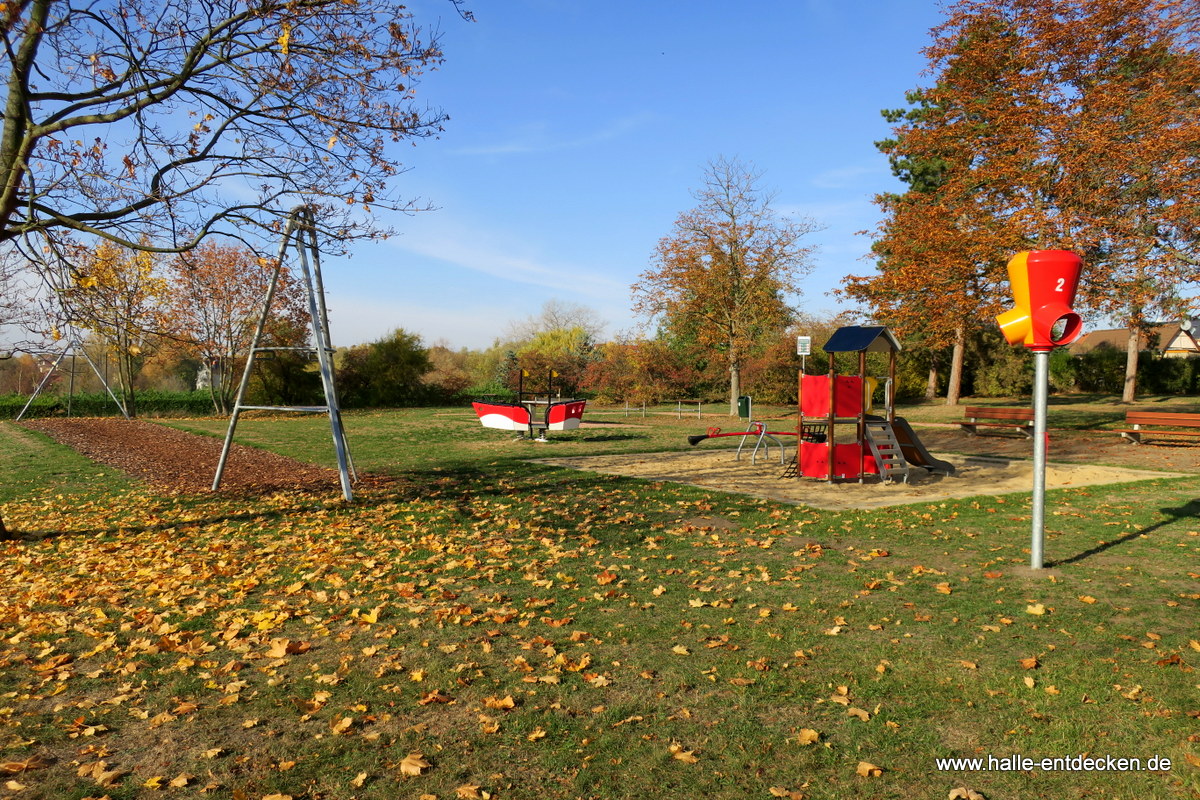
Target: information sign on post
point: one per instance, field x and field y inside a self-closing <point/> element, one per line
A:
<point x="1043" y="284"/>
<point x="804" y="350"/>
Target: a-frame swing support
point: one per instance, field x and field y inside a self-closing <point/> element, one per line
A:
<point x="301" y="234"/>
<point x="73" y="348"/>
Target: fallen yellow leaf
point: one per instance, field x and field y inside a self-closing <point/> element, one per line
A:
<point x="807" y="736"/>
<point x="500" y="703"/>
<point x="789" y="794"/>
<point x="866" y="769"/>
<point x="1037" y="609"/>
<point x="414" y="764"/>
<point x="963" y="793"/>
<point x="679" y="754"/>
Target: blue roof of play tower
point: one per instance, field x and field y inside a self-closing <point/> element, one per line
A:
<point x="857" y="338"/>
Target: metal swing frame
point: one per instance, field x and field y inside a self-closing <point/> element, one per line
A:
<point x="301" y="234"/>
<point x="73" y="348"/>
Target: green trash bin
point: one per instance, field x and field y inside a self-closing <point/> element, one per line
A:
<point x="745" y="404"/>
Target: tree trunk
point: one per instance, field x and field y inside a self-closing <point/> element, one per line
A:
<point x="1129" y="393"/>
<point x="735" y="388"/>
<point x="954" y="389"/>
<point x="932" y="386"/>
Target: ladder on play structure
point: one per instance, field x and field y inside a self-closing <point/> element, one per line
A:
<point x="886" y="450"/>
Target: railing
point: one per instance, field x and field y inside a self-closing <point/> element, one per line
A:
<point x="679" y="408"/>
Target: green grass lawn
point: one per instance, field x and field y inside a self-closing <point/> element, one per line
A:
<point x="486" y="627"/>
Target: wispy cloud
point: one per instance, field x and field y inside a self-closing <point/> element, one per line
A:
<point x="833" y="214"/>
<point x="848" y="177"/>
<point x="537" y="138"/>
<point x="480" y="253"/>
<point x="356" y="319"/>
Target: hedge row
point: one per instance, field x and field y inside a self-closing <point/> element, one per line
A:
<point x="150" y="403"/>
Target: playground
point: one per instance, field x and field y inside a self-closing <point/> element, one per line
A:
<point x="985" y="465"/>
<point x="974" y="475"/>
<point x="473" y="609"/>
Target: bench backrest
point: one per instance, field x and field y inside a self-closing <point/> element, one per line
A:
<point x="985" y="412"/>
<point x="1162" y="418"/>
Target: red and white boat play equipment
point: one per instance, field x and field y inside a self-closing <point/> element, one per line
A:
<point x="559" y="414"/>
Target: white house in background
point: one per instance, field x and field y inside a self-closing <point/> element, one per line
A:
<point x="1170" y="340"/>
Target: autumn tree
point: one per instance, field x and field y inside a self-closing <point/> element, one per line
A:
<point x="120" y="296"/>
<point x="729" y="268"/>
<point x="449" y="373"/>
<point x="216" y="298"/>
<point x="164" y="120"/>
<point x="384" y="373"/>
<point x="558" y="315"/>
<point x="637" y="370"/>
<point x="1073" y="125"/>
<point x="936" y="256"/>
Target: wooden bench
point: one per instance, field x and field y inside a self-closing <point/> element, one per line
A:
<point x="1135" y="420"/>
<point x="1020" y="419"/>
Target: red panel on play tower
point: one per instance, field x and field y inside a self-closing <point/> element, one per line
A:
<point x="849" y="460"/>
<point x="847" y="401"/>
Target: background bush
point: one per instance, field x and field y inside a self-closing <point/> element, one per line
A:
<point x="150" y="403"/>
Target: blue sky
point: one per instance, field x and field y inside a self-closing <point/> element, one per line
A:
<point x="578" y="129"/>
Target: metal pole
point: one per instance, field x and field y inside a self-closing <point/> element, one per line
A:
<point x="1041" y="375"/>
<point x="258" y="332"/>
<point x="324" y="362"/>
<point x="71" y="385"/>
<point x="120" y="406"/>
<point x="345" y="458"/>
<point x="41" y="385"/>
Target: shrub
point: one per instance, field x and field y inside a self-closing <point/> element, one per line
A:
<point x="1101" y="370"/>
<point x="150" y="403"/>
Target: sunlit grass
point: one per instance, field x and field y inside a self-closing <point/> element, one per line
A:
<point x="538" y="633"/>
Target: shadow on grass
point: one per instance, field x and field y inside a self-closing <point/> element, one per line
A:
<point x="1188" y="509"/>
<point x="32" y="536"/>
<point x="463" y="487"/>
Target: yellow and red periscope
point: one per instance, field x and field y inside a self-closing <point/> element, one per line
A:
<point x="1043" y="283"/>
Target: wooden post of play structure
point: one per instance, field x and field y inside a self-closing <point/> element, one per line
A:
<point x="889" y="392"/>
<point x="832" y="414"/>
<point x="799" y="420"/>
<point x="864" y="401"/>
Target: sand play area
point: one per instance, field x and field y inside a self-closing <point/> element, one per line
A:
<point x="974" y="475"/>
